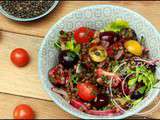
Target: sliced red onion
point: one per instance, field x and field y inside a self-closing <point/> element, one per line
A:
<point x="119" y="54"/>
<point x="150" y="62"/>
<point x="79" y="105"/>
<point x="110" y="112"/>
<point x="155" y="60"/>
<point x="61" y="92"/>
<point x="101" y="72"/>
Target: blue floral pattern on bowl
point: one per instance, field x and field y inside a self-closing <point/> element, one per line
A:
<point x="97" y="17"/>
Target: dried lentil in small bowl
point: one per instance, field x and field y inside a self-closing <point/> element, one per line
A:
<point x="26" y="10"/>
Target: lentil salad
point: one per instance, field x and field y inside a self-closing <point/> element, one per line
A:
<point x="99" y="66"/>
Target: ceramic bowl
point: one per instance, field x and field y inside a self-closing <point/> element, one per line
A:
<point x="28" y="19"/>
<point x="97" y="17"/>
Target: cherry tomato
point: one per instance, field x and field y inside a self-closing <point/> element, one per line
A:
<point x="20" y="57"/>
<point x="133" y="47"/>
<point x="86" y="91"/>
<point x="83" y="35"/>
<point x="97" y="53"/>
<point x="23" y="111"/>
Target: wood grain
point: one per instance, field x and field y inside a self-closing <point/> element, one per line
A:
<point x="148" y="9"/>
<point x="43" y="109"/>
<point x="46" y="109"/>
<point x="24" y="81"/>
<point x="20" y="81"/>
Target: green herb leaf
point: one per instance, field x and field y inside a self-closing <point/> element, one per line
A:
<point x="142" y="89"/>
<point x="91" y="40"/>
<point x="77" y="48"/>
<point x="127" y="98"/>
<point x="132" y="82"/>
<point x="70" y="45"/>
<point x="121" y="100"/>
<point x="57" y="44"/>
<point x="137" y="101"/>
<point x="140" y="78"/>
<point x="104" y="78"/>
<point x="142" y="40"/>
<point x="116" y="26"/>
<point x="74" y="78"/>
<point x="104" y="108"/>
<point x="145" y="80"/>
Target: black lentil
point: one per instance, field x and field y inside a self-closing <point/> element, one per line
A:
<point x="26" y="8"/>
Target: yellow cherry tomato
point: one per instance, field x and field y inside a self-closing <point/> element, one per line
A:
<point x="98" y="53"/>
<point x="133" y="47"/>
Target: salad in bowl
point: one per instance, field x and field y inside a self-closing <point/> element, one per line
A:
<point x="101" y="62"/>
<point x="97" y="68"/>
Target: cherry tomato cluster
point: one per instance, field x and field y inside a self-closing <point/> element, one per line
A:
<point x="21" y="58"/>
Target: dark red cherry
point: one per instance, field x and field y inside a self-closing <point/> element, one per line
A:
<point x="108" y="37"/>
<point x="100" y="101"/>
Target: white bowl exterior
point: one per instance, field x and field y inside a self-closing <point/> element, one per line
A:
<point x="96" y="17"/>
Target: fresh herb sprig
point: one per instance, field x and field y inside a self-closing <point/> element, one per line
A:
<point x="142" y="74"/>
<point x="70" y="45"/>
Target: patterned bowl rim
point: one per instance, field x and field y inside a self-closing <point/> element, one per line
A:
<point x="28" y="19"/>
<point x="40" y="61"/>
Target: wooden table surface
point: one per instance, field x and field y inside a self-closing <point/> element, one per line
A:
<point x="21" y="85"/>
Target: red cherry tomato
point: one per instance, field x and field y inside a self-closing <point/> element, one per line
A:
<point x="23" y="111"/>
<point x="83" y="35"/>
<point x="19" y="57"/>
<point x="86" y="91"/>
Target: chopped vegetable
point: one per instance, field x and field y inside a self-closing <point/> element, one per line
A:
<point x="83" y="35"/>
<point x="116" y="26"/>
<point x="142" y="40"/>
<point x="79" y="105"/>
<point x="86" y="91"/>
<point x="142" y="89"/>
<point x="70" y="45"/>
<point x="137" y="101"/>
<point x="57" y="44"/>
<point x="97" y="53"/>
<point x="132" y="82"/>
<point x="74" y="78"/>
<point x="111" y="112"/>
<point x="133" y="47"/>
